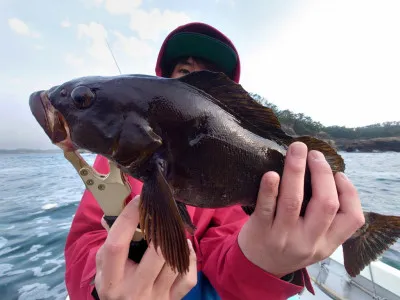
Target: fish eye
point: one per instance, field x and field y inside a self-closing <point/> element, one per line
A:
<point x="82" y="96"/>
<point x="63" y="93"/>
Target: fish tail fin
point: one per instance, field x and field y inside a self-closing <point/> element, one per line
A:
<point x="376" y="236"/>
<point x="334" y="159"/>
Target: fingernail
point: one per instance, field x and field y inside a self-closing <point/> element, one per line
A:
<point x="298" y="150"/>
<point x="316" y="155"/>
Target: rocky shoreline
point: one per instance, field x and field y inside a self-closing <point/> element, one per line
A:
<point x="387" y="144"/>
<point x="382" y="144"/>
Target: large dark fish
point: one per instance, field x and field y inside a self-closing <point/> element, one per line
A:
<point x="199" y="140"/>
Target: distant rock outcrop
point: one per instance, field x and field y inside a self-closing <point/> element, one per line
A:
<point x="383" y="144"/>
<point x="378" y="137"/>
<point x="369" y="145"/>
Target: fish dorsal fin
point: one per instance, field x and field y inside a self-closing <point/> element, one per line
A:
<point x="253" y="116"/>
<point x="333" y="158"/>
<point x="231" y="97"/>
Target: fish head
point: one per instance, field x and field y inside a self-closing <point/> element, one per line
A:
<point x="83" y="113"/>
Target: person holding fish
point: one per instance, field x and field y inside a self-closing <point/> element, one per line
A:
<point x="256" y="252"/>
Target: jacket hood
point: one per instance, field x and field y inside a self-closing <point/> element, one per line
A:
<point x="201" y="40"/>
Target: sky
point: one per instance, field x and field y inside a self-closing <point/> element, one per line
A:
<point x="336" y="61"/>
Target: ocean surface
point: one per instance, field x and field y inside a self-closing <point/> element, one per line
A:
<point x="39" y="194"/>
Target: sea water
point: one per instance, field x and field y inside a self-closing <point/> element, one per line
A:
<point x="39" y="194"/>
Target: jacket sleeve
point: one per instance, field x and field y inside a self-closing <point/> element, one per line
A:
<point x="85" y="237"/>
<point x="231" y="273"/>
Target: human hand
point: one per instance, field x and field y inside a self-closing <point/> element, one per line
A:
<point x="286" y="242"/>
<point x="118" y="277"/>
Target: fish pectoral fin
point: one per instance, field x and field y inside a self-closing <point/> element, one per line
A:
<point x="161" y="222"/>
<point x="231" y="97"/>
<point x="185" y="217"/>
<point x="137" y="141"/>
<point x="334" y="159"/>
<point x="376" y="236"/>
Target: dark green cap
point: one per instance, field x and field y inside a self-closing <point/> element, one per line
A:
<point x="202" y="46"/>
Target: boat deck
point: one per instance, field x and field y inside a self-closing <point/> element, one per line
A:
<point x="330" y="281"/>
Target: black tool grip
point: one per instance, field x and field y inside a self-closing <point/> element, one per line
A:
<point x="136" y="248"/>
<point x="110" y="220"/>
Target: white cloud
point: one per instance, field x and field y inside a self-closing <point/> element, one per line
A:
<point x="99" y="59"/>
<point x="121" y="7"/>
<point x="20" y="27"/>
<point x="96" y="36"/>
<point x="151" y="24"/>
<point x="133" y="46"/>
<point x="115" y="7"/>
<point x="335" y="61"/>
<point x="65" y="23"/>
<point x="131" y="53"/>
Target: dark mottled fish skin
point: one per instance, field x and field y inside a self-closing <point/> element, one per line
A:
<point x="200" y="140"/>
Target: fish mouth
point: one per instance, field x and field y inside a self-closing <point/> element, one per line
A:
<point x="52" y="121"/>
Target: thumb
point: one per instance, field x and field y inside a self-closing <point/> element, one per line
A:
<point x="266" y="200"/>
<point x="107" y="224"/>
<point x="126" y="223"/>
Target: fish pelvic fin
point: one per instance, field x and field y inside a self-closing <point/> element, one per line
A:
<point x="334" y="159"/>
<point x="161" y="222"/>
<point x="233" y="98"/>
<point x="376" y="236"/>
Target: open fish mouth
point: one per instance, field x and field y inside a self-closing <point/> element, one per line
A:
<point x="51" y="120"/>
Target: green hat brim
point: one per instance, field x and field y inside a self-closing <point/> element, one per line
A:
<point x="202" y="46"/>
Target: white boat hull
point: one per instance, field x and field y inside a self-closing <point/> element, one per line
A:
<point x="377" y="281"/>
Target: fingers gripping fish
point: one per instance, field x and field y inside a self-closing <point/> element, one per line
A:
<point x="199" y="140"/>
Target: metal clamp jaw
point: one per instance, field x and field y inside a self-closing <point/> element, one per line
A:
<point x="111" y="190"/>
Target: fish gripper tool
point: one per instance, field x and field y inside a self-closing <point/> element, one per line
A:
<point x="111" y="192"/>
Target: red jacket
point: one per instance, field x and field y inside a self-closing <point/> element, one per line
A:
<point x="215" y="242"/>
